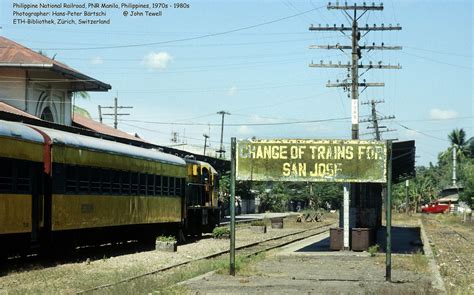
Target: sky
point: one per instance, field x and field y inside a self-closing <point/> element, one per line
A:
<point x="250" y="58"/>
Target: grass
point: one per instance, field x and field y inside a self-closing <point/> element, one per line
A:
<point x="416" y="262"/>
<point x="373" y="250"/>
<point x="166" y="239"/>
<point x="220" y="232"/>
<point x="243" y="265"/>
<point x="257" y="223"/>
<point x="167" y="283"/>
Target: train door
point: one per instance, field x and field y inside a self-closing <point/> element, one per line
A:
<point x="37" y="202"/>
<point x="206" y="187"/>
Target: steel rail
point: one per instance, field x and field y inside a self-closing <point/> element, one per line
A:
<point x="446" y="242"/>
<point x="321" y="229"/>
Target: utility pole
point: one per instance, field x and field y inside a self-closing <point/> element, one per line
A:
<point x="221" y="151"/>
<point x="356" y="54"/>
<point x="115" y="113"/>
<point x="454" y="166"/>
<point x="375" y="119"/>
<point x="407" y="184"/>
<point x="100" y="113"/>
<point x="205" y="142"/>
<point x="351" y="84"/>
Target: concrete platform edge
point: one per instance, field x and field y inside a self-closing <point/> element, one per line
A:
<point x="438" y="282"/>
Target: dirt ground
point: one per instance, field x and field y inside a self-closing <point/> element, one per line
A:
<point x="72" y="277"/>
<point x="290" y="271"/>
<point x="324" y="273"/>
<point x="453" y="246"/>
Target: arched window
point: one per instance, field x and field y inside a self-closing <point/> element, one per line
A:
<point x="47" y="115"/>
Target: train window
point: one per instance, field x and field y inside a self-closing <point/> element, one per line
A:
<point x="151" y="185"/>
<point x="177" y="189"/>
<point x="158" y="185"/>
<point x="125" y="176"/>
<point x="22" y="177"/>
<point x="95" y="181"/>
<point x="165" y="186"/>
<point x="6" y="175"/>
<point x="143" y="179"/>
<point x="83" y="177"/>
<point x="183" y="186"/>
<point x="134" y="184"/>
<point x="172" y="186"/>
<point x="71" y="179"/>
<point x="106" y="181"/>
<point x="116" y="187"/>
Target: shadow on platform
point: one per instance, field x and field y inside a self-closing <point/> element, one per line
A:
<point x="405" y="240"/>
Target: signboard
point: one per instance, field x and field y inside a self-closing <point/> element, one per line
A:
<point x="311" y="160"/>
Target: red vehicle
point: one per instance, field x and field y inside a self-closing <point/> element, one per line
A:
<point x="448" y="201"/>
<point x="435" y="207"/>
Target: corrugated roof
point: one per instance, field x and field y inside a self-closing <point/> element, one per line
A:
<point x="79" y="121"/>
<point x="14" y="55"/>
<point x="96" y="144"/>
<point x="98" y="127"/>
<point x="12" y="110"/>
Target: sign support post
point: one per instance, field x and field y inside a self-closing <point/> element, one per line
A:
<point x="346" y="230"/>
<point x="388" y="216"/>
<point x="232" y="206"/>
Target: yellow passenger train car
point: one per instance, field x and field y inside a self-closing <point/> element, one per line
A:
<point x="202" y="181"/>
<point x="21" y="185"/>
<point x="62" y="189"/>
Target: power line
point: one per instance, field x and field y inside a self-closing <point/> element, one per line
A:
<point x="439" y="52"/>
<point x="439" y="62"/>
<point x="239" y="124"/>
<point x="190" y="38"/>
<point x="420" y="132"/>
<point x="163" y="133"/>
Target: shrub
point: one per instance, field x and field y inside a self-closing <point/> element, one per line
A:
<point x="373" y="250"/>
<point x="257" y="223"/>
<point x="166" y="239"/>
<point x="221" y="233"/>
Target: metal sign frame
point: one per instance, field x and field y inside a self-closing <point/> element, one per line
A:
<point x="387" y="173"/>
<point x="355" y="161"/>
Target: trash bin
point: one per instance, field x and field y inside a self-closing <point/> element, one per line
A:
<point x="362" y="238"/>
<point x="336" y="238"/>
<point x="277" y="222"/>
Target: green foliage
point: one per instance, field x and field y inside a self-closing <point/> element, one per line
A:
<point x="468" y="175"/>
<point x="82" y="112"/>
<point x="257" y="223"/>
<point x="166" y="239"/>
<point x="327" y="193"/>
<point x="224" y="184"/>
<point x="429" y="181"/>
<point x="221" y="232"/>
<point x="276" y="196"/>
<point x="243" y="265"/>
<point x="373" y="250"/>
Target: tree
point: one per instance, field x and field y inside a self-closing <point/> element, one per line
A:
<point x="457" y="137"/>
<point x="82" y="112"/>
<point x="468" y="176"/>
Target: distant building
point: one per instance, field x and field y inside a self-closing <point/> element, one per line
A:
<point x="40" y="86"/>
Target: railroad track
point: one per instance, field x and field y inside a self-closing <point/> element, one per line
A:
<point x="245" y="250"/>
<point x="446" y="236"/>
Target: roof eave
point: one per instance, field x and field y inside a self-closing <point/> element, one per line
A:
<point x="26" y="65"/>
<point x="90" y="84"/>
